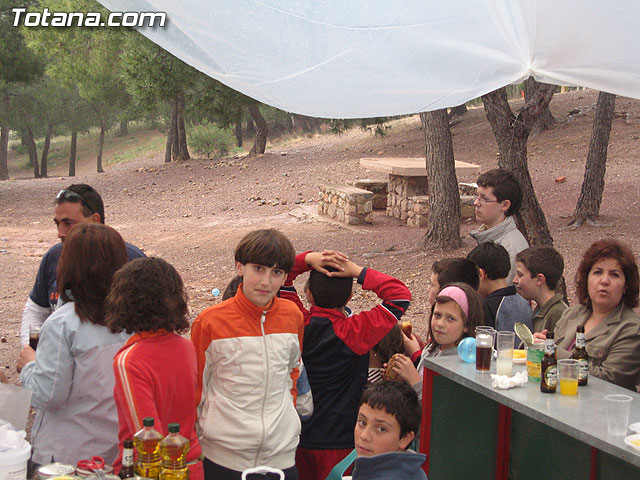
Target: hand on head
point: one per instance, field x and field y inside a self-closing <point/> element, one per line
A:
<point x="337" y="260"/>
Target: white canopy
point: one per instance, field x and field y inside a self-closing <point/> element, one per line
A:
<point x="365" y="58"/>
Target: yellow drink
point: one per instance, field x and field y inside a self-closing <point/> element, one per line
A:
<point x="569" y="386"/>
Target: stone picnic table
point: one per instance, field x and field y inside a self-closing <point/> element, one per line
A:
<point x="408" y="178"/>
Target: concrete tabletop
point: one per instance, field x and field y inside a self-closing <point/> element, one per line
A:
<point x="582" y="416"/>
<point x="411" y="167"/>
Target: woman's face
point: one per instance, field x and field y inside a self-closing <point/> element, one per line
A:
<point x="606" y="284"/>
<point x="447" y="324"/>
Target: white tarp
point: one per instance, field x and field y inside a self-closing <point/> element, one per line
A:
<point x="364" y="58"/>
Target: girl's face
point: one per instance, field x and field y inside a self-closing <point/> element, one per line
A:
<point x="447" y="324"/>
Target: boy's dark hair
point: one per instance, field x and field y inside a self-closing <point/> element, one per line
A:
<point x="90" y="199"/>
<point x="330" y="292"/>
<point x="266" y="247"/>
<point x="505" y="187"/>
<point x="390" y="344"/>
<point x="450" y="270"/>
<point x="147" y="295"/>
<point x="397" y="399"/>
<point x="492" y="258"/>
<point x="543" y="259"/>
<point x="91" y="254"/>
<point x="232" y="287"/>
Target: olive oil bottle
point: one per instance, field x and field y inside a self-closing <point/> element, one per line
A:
<point x="173" y="450"/>
<point x="147" y="444"/>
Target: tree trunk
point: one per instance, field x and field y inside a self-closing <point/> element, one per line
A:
<point x="4" y="152"/>
<point x="33" y="151"/>
<point x="251" y="128"/>
<point x="124" y="128"/>
<point x="588" y="206"/>
<point x="260" y="143"/>
<point x="443" y="229"/>
<point x="546" y="119"/>
<point x="175" y="135"/>
<point x="4" y="142"/>
<point x="511" y="133"/>
<point x="239" y="131"/>
<point x="457" y="111"/>
<point x="72" y="153"/>
<point x="45" y="150"/>
<point x="171" y="134"/>
<point x="103" y="128"/>
<point x="184" y="151"/>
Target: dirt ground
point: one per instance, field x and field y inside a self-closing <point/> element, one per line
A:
<point x="193" y="214"/>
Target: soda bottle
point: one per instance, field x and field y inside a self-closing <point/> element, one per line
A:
<point x="549" y="366"/>
<point x="146" y="442"/>
<point x="174" y="449"/>
<point x="127" y="459"/>
<point x="580" y="354"/>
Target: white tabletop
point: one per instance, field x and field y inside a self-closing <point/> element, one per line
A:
<point x="411" y="167"/>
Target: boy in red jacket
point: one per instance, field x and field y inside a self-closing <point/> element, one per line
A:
<point x="336" y="351"/>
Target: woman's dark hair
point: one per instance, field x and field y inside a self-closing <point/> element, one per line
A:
<point x="476" y="311"/>
<point x="609" y="248"/>
<point x="91" y="254"/>
<point x="147" y="295"/>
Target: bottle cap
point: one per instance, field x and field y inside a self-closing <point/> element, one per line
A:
<point x="128" y="443"/>
<point x="580" y="328"/>
<point x="148" y="421"/>
<point x="174" y="427"/>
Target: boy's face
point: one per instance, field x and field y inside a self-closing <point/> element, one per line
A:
<point x="260" y="283"/>
<point x="378" y="432"/>
<point x="525" y="285"/>
<point x="488" y="209"/>
<point x="434" y="288"/>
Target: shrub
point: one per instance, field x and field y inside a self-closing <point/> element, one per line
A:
<point x="207" y="138"/>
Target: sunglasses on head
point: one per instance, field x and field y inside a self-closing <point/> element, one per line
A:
<point x="72" y="196"/>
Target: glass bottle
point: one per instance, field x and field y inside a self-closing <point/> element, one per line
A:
<point x="127" y="459"/>
<point x="549" y="366"/>
<point x="580" y="354"/>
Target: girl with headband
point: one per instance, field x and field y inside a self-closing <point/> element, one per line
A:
<point x="455" y="315"/>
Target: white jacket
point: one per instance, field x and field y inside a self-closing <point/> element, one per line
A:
<point x="72" y="383"/>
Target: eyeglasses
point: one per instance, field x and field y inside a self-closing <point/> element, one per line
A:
<point x="72" y="196"/>
<point x="482" y="199"/>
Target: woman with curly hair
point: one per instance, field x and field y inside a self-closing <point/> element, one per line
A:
<point x="607" y="286"/>
<point x="156" y="369"/>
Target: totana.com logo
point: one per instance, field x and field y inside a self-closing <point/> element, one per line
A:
<point x="87" y="19"/>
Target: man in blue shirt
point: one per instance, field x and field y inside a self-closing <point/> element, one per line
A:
<point x="79" y="203"/>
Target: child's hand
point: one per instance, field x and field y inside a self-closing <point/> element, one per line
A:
<point x="405" y="369"/>
<point x="326" y="258"/>
<point x="411" y="344"/>
<point x="540" y="335"/>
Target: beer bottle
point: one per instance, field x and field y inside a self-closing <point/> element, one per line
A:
<point x="549" y="366"/>
<point x="127" y="459"/>
<point x="147" y="443"/>
<point x="580" y="353"/>
<point x="174" y="449"/>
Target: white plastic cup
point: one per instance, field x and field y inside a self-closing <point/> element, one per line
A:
<point x="618" y="407"/>
<point x="13" y="463"/>
<point x="504" y="346"/>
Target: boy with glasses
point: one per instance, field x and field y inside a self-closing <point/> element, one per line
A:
<point x="499" y="198"/>
<point x="79" y="203"/>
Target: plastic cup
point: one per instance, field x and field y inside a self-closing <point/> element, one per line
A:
<point x="568" y="371"/>
<point x="535" y="352"/>
<point x="618" y="407"/>
<point x="504" y="346"/>
<point x="484" y="348"/>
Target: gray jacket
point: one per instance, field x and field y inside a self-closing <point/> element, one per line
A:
<point x="506" y="233"/>
<point x="72" y="383"/>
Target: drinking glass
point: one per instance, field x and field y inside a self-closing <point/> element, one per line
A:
<point x="504" y="345"/>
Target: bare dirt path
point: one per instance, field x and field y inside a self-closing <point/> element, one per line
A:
<point x="193" y="214"/>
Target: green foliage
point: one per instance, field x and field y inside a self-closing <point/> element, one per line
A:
<point x="207" y="138"/>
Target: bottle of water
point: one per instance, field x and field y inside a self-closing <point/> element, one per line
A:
<point x="146" y="443"/>
<point x="173" y="450"/>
